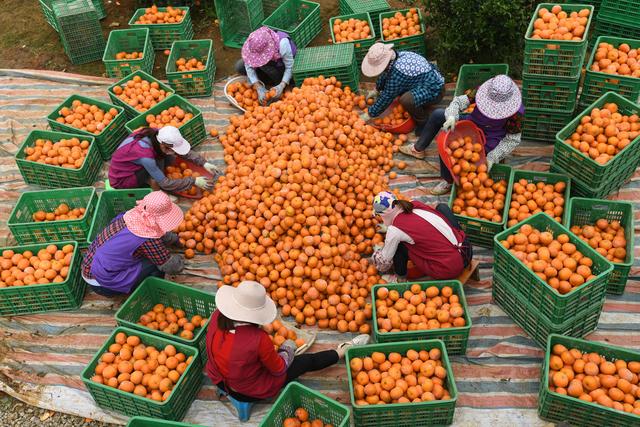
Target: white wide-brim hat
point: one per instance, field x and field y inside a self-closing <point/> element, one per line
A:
<point x="499" y="97"/>
<point x="246" y="303"/>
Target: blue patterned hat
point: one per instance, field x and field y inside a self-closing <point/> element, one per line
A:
<point x="383" y="202"/>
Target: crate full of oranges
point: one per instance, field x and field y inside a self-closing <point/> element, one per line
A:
<point x="191" y="68"/>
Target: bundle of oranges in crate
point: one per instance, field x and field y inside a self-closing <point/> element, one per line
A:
<point x="400" y="25"/>
<point x="622" y="60"/>
<point x="140" y="94"/>
<point x="132" y="55"/>
<point x="86" y="117"/>
<point x="68" y="153"/>
<point x="172" y="116"/>
<point x="49" y="265"/>
<point x="556" y="24"/>
<point x="154" y="16"/>
<point x="350" y="30"/>
<point x="62" y="212"/>
<point x="607" y="238"/>
<point x="191" y="64"/>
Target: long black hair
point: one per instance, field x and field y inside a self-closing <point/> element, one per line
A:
<point x="151" y="134"/>
<point x="226" y="324"/>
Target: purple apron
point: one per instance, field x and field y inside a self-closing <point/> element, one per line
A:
<point x="122" y="170"/>
<point x="494" y="130"/>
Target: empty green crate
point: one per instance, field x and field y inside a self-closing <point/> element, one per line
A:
<point x="471" y="76"/>
<point x="319" y="406"/>
<point x="454" y="338"/>
<point x="549" y="302"/>
<point x="419" y="414"/>
<point x="180" y="399"/>
<point x="238" y="19"/>
<point x="193" y="131"/>
<point x="587" y="211"/>
<point x="416" y="43"/>
<point x="27" y="231"/>
<point x="107" y="140"/>
<point x="298" y="18"/>
<point x="192" y="83"/>
<point x="561" y="59"/>
<point x="80" y="31"/>
<point x="110" y="204"/>
<point x="154" y="422"/>
<point x="360" y="46"/>
<point x="373" y="7"/>
<point x="576" y="164"/>
<point x="623" y="11"/>
<point x="547" y="178"/>
<point x="48" y="14"/>
<point x="534" y="323"/>
<point x="607" y="27"/>
<point x="154" y="291"/>
<point x="562" y="409"/>
<point x="480" y="231"/>
<point x="269" y="6"/>
<point x="130" y="111"/>
<point x="130" y="40"/>
<point x="549" y="95"/>
<point x="31" y="299"/>
<point x="332" y="60"/>
<point x="163" y="35"/>
<point x="45" y="175"/>
<point x="543" y="126"/>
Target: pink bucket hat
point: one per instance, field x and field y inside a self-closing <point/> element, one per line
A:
<point x="261" y="46"/>
<point x="154" y="216"/>
<point x="377" y="59"/>
<point x="499" y="97"/>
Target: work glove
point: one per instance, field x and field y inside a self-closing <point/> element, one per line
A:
<point x="262" y="94"/>
<point x="449" y="124"/>
<point x="203" y="183"/>
<point x="211" y="168"/>
<point x="382" y="228"/>
<point x="372" y="94"/>
<point x="489" y="164"/>
<point x="377" y="247"/>
<point x="170" y="238"/>
<point x="279" y="91"/>
<point x="174" y="265"/>
<point x="365" y="116"/>
<point x="287" y="351"/>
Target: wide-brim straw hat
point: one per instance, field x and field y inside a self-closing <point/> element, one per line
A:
<point x="499" y="97"/>
<point x="377" y="59"/>
<point x="154" y="216"/>
<point x="246" y="303"/>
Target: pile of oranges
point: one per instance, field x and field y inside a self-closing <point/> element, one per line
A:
<point x="153" y="16"/>
<point x="191" y="64"/>
<point x="140" y="94"/>
<point x="182" y="171"/>
<point x="244" y="95"/>
<point x="395" y="117"/>
<point x="50" y="265"/>
<point x="350" y="30"/>
<point x="593" y="378"/>
<point x="529" y="198"/>
<point x="400" y="26"/>
<point x="301" y="419"/>
<point x="556" y="24"/>
<point x="172" y="321"/>
<point x="604" y="133"/>
<point x="416" y="376"/>
<point x="417" y="309"/>
<point x="554" y="259"/>
<point x="62" y="212"/>
<point x="132" y="55"/>
<point x="67" y="153"/>
<point x="622" y="60"/>
<point x="172" y="116"/>
<point x="86" y="117"/>
<point x="133" y="367"/>
<point x="279" y="333"/>
<point x="605" y="237"/>
<point x="293" y="210"/>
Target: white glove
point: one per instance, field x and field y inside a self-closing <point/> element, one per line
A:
<point x="489" y="164"/>
<point x="365" y="116"/>
<point x="262" y="92"/>
<point x="377" y="247"/>
<point x="449" y="124"/>
<point x="382" y="228"/>
<point x="203" y="183"/>
<point x="210" y="167"/>
<point x="372" y="94"/>
<point x="279" y="90"/>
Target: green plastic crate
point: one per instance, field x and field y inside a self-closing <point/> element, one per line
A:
<point x="319" y="406"/>
<point x="107" y="140"/>
<point x="163" y="35"/>
<point x="361" y="47"/>
<point x="45" y="175"/>
<point x="471" y="76"/>
<point x="561" y="59"/>
<point x="67" y="295"/>
<point x="423" y="414"/>
<point x="28" y="232"/>
<point x="455" y="338"/>
<point x="550" y="303"/>
<point x="416" y="43"/>
<point x="193" y="131"/>
<point x="332" y="60"/>
<point x="269" y="6"/>
<point x="623" y="11"/>
<point x="534" y="323"/>
<point x="562" y="409"/>
<point x="298" y="18"/>
<point x="130" y="111"/>
<point x="238" y="19"/>
<point x="547" y="178"/>
<point x="373" y="7"/>
<point x="192" y="83"/>
<point x="578" y="165"/>
<point x="154" y="422"/>
<point x="543" y="126"/>
<point x="48" y="14"/>
<point x="180" y="399"/>
<point x="607" y="27"/>
<point x="129" y="40"/>
<point x="110" y="204"/>
<point x="587" y="211"/>
<point x="79" y="29"/>
<point x="549" y="95"/>
<point x="597" y="83"/>
<point x="154" y="291"/>
<point x="479" y="231"/>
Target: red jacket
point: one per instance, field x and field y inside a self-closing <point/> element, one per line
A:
<point x="246" y="361"/>
<point x="431" y="252"/>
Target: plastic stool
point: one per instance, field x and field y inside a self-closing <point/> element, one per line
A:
<point x="243" y="408"/>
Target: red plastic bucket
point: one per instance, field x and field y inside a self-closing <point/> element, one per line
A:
<point x="195" y="168"/>
<point x="404" y="127"/>
<point x="462" y="129"/>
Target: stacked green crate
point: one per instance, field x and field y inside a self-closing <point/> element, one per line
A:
<point x="471" y="76"/>
<point x="361" y="46"/>
<point x="128" y="41"/>
<point x="300" y="19"/>
<point x="79" y="28"/>
<point x="336" y="60"/>
<point x="605" y="26"/>
<point x="197" y="82"/>
<point x="625" y="13"/>
<point x="373" y="7"/>
<point x="47" y="10"/>
<point x="270" y="6"/>
<point x="238" y="18"/>
<point x="551" y="75"/>
<point x="163" y="35"/>
<point x="416" y="43"/>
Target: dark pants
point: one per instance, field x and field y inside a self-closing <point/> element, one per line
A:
<point x="300" y="366"/>
<point x="270" y="74"/>
<point x="431" y="129"/>
<point x="422" y="113"/>
<point x="148" y="269"/>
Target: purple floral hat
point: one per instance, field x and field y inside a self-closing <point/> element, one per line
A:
<point x="499" y="97"/>
<point x="261" y="46"/>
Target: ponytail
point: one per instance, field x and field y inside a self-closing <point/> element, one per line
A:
<point x="405" y="205"/>
<point x="152" y="135"/>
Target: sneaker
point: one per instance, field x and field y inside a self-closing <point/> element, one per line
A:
<point x="362" y="339"/>
<point x="410" y="150"/>
<point x="443" y="187"/>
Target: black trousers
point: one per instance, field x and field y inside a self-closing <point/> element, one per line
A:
<point x="270" y="74"/>
<point x="420" y="114"/>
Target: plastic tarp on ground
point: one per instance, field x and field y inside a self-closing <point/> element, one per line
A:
<point x="42" y="356"/>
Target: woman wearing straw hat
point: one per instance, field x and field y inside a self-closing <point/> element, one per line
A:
<point x="267" y="59"/>
<point x="430" y="238"/>
<point x="134" y="246"/>
<point x="407" y="75"/>
<point x="139" y="161"/>
<point x="498" y="113"/>
<point x="242" y="360"/>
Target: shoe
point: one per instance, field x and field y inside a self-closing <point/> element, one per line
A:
<point x="410" y="150"/>
<point x="362" y="339"/>
<point x="443" y="187"/>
